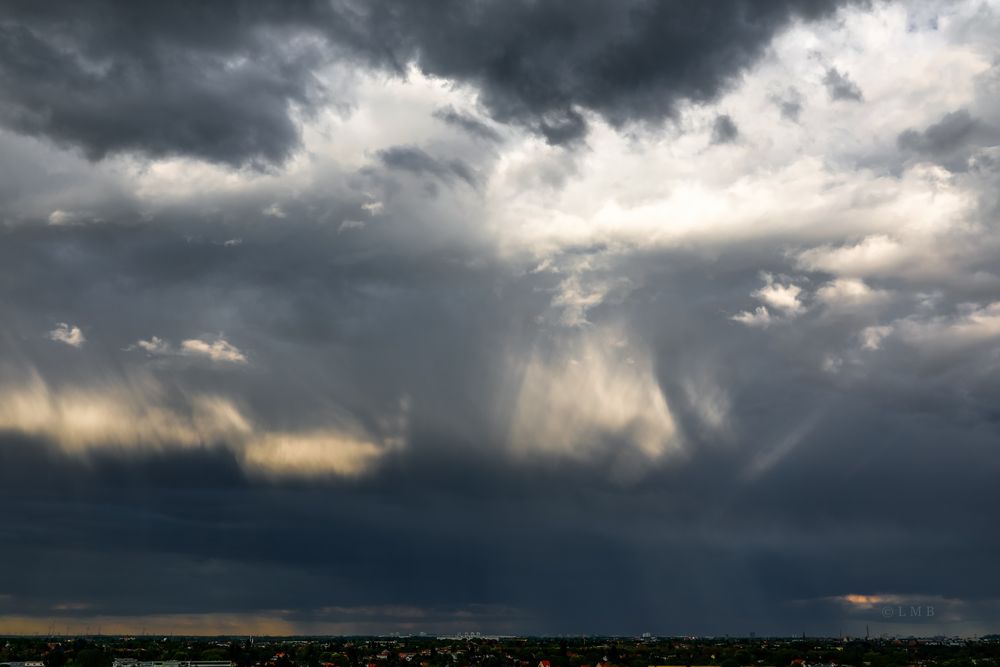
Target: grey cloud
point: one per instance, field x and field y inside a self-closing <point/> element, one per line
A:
<point x="418" y="161"/>
<point x="724" y="130"/>
<point x="789" y="104"/>
<point x="791" y="110"/>
<point x="840" y="86"/>
<point x="225" y="82"/>
<point x="468" y="123"/>
<point x="951" y="141"/>
<point x="945" y="135"/>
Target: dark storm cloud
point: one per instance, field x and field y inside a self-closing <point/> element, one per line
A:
<point x="216" y="81"/>
<point x="540" y="64"/>
<point x="562" y="127"/>
<point x="225" y="81"/>
<point x="840" y="86"/>
<point x="691" y="549"/>
<point x="724" y="130"/>
<point x="452" y="521"/>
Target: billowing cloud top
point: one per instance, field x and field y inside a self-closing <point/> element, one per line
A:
<point x="504" y="316"/>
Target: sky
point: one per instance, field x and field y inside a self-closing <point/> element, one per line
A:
<point x="510" y="316"/>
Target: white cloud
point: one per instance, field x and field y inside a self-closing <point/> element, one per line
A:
<point x="875" y="255"/>
<point x="69" y="334"/>
<point x="783" y="298"/>
<point x="132" y="413"/>
<point x="154" y="346"/>
<point x="780" y="297"/>
<point x="759" y="317"/>
<point x="872" y="337"/>
<point x="218" y="350"/>
<point x="310" y="454"/>
<point x="847" y="293"/>
<point x="137" y="414"/>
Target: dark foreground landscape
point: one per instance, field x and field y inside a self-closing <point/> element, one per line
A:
<point x="474" y="649"/>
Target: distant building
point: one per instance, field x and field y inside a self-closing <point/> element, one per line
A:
<point x="132" y="662"/>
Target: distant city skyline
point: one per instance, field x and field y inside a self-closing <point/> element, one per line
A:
<point x="521" y="317"/>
